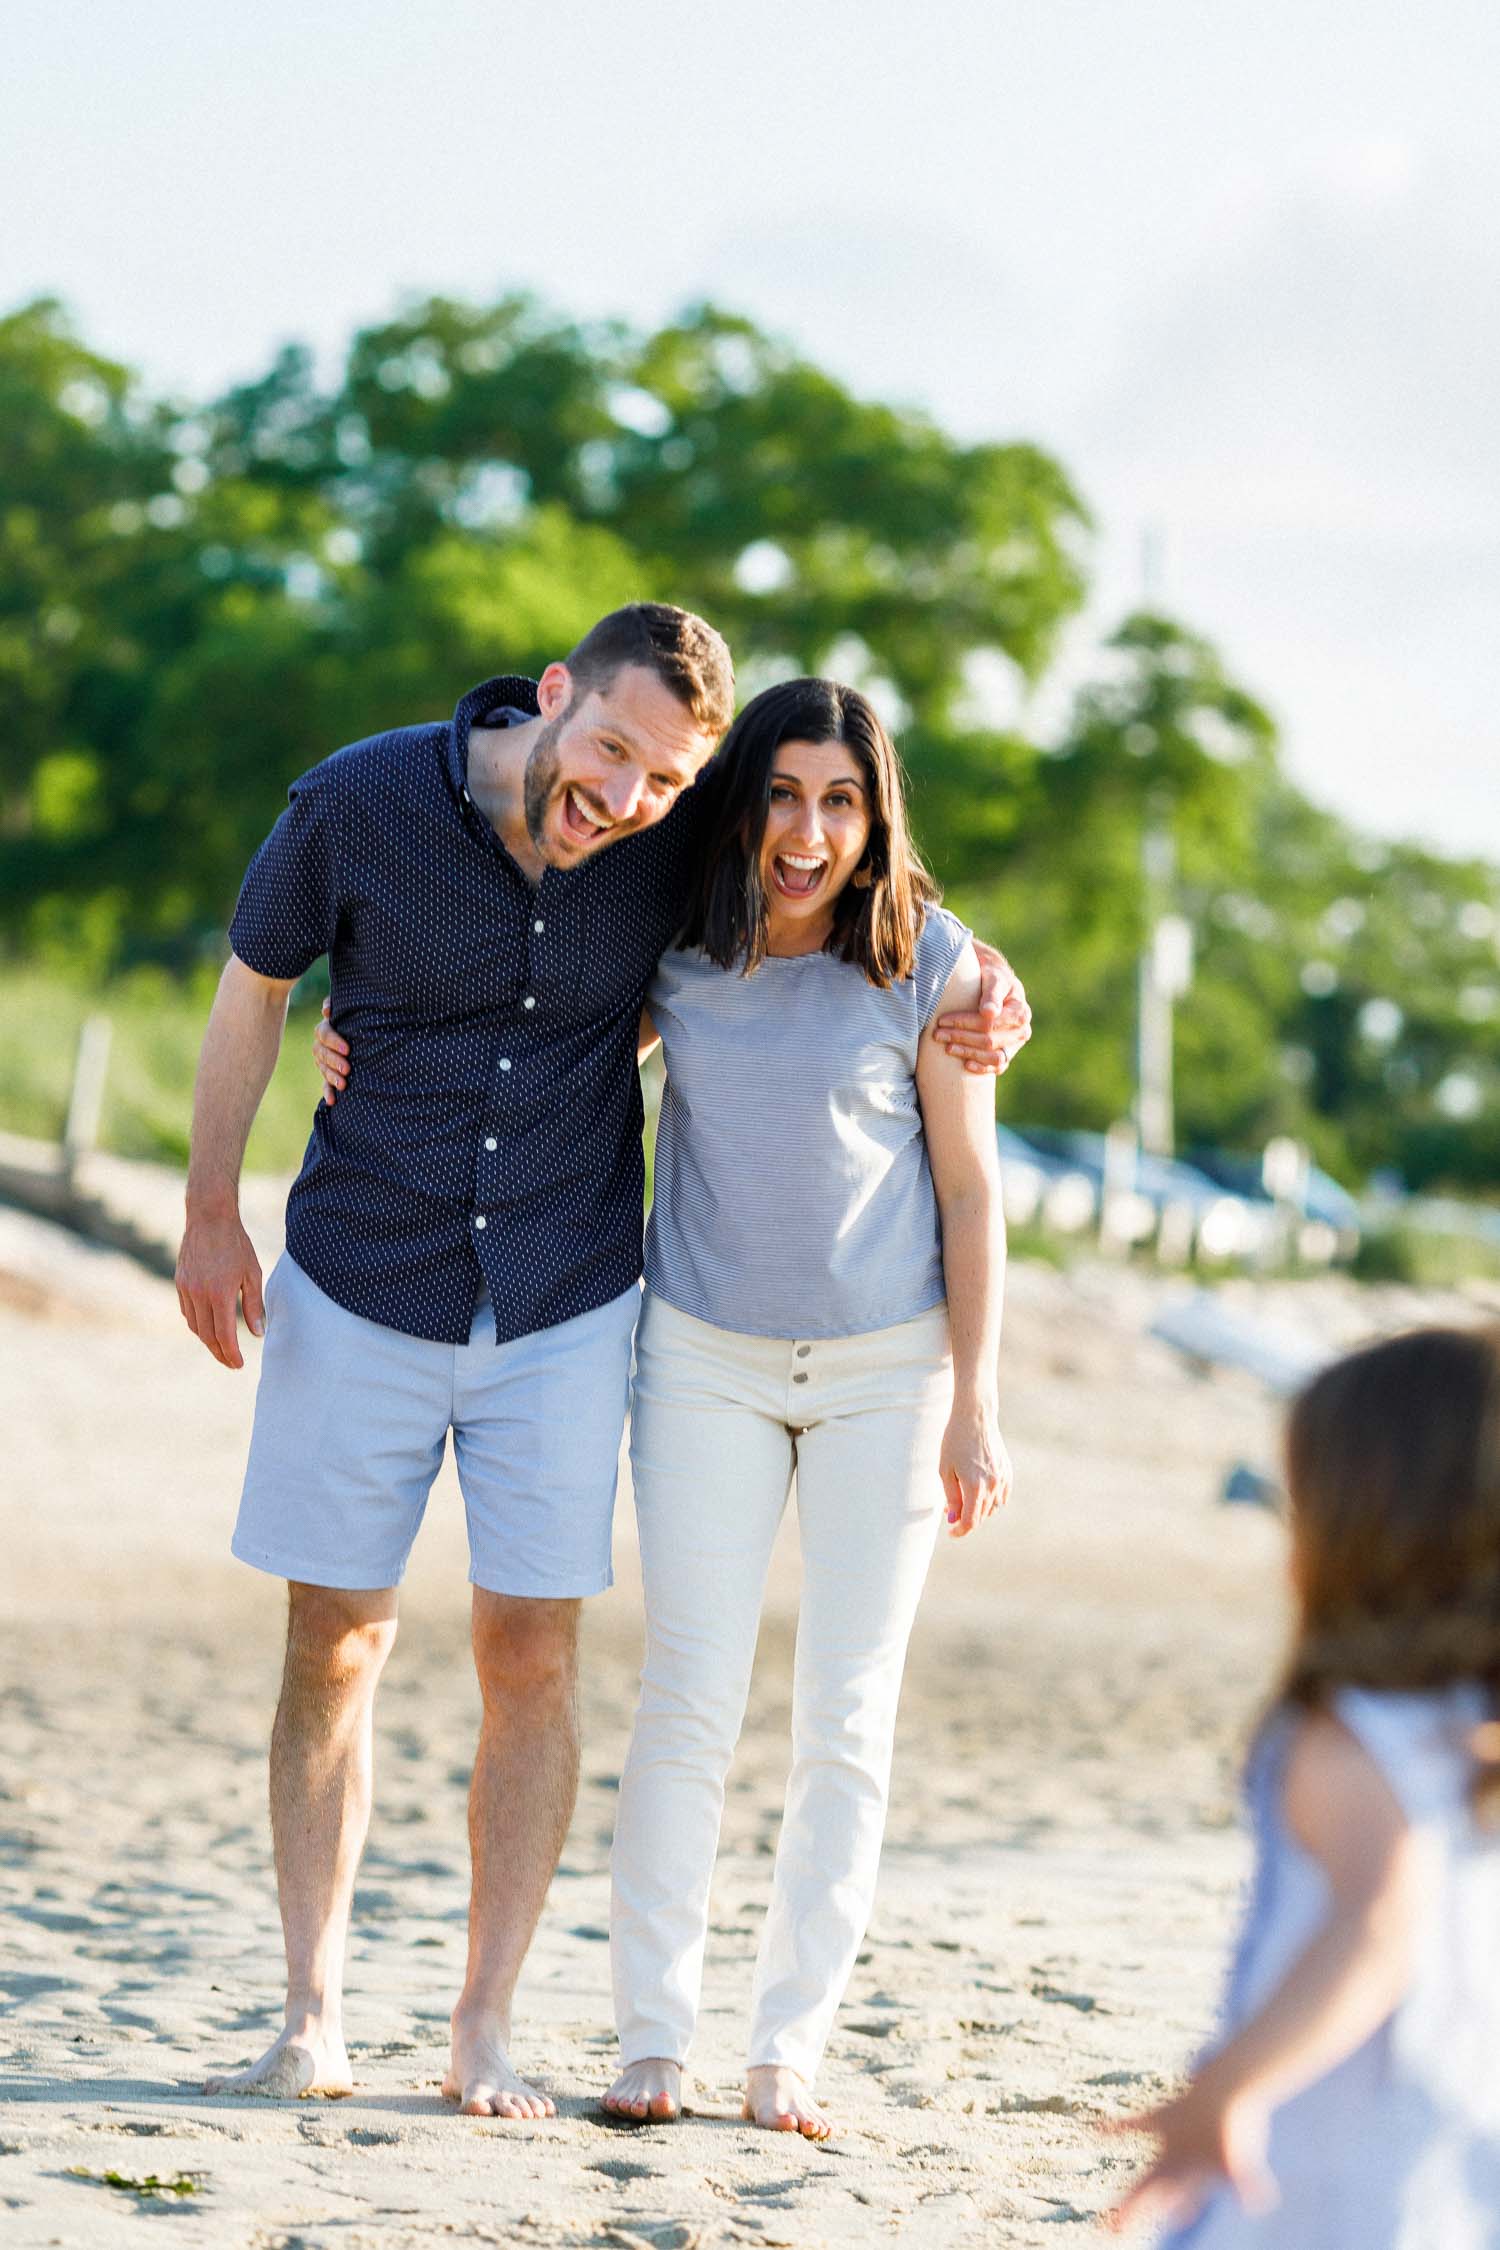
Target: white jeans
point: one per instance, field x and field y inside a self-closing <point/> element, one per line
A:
<point x="719" y="1422"/>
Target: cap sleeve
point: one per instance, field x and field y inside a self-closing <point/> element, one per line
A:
<point x="939" y="949"/>
<point x="289" y="902"/>
<point x="1419" y="1743"/>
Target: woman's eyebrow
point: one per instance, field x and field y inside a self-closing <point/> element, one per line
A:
<point x="839" y="781"/>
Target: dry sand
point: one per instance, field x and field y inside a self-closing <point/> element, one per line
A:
<point x="1058" y="1885"/>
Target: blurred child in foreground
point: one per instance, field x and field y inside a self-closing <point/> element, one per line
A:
<point x="1353" y="2102"/>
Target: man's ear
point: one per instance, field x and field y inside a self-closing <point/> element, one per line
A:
<point x="554" y="691"/>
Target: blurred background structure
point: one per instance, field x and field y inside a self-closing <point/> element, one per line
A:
<point x="1167" y="579"/>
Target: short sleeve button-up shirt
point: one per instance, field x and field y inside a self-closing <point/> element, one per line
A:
<point x="492" y="1123"/>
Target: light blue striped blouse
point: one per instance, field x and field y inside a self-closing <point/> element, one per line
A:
<point x="793" y="1191"/>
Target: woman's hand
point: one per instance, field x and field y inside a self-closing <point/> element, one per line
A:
<point x="1205" y="2137"/>
<point x="974" y="1466"/>
<point x="331" y="1054"/>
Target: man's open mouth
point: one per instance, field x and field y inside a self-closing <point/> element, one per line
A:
<point x="797" y="874"/>
<point x="580" y="825"/>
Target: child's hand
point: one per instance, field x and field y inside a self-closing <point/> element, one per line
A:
<point x="1205" y="2137"/>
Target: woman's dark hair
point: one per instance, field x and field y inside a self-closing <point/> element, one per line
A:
<point x="1393" y="1467"/>
<point x="876" y="924"/>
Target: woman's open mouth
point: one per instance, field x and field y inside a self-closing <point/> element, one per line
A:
<point x="797" y="874"/>
<point x="581" y="826"/>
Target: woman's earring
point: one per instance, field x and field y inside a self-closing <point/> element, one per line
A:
<point x="863" y="877"/>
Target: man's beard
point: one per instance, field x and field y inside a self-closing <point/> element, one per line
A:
<point x="540" y="780"/>
<point x="539" y="784"/>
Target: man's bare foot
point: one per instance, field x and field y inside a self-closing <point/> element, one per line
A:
<point x="650" y="2092"/>
<point x="781" y="2101"/>
<point x="299" y="2066"/>
<point x="480" y="2078"/>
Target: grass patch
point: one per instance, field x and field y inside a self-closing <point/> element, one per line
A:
<point x="157" y="1024"/>
<point x="1426" y="1259"/>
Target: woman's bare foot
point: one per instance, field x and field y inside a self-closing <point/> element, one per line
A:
<point x="781" y="2101"/>
<point x="650" y="2092"/>
<point x="480" y="2078"/>
<point x="303" y="2063"/>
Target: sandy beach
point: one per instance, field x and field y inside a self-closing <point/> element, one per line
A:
<point x="1058" y="1887"/>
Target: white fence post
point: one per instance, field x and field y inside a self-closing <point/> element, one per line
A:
<point x="86" y="1102"/>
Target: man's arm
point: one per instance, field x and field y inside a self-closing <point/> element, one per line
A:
<point x="988" y="1037"/>
<point x="217" y="1266"/>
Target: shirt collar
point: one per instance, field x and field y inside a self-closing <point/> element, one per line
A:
<point x="509" y="688"/>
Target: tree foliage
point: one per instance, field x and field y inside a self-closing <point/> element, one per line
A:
<point x="197" y="601"/>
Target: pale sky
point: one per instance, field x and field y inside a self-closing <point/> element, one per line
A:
<point x="1236" y="261"/>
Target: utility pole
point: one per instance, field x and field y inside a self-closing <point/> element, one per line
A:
<point x="1165" y="969"/>
<point x="1159" y="978"/>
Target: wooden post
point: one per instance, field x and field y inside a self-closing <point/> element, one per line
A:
<point x="86" y="1102"/>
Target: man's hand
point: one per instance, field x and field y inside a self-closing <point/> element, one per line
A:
<point x="991" y="1037"/>
<point x="216" y="1269"/>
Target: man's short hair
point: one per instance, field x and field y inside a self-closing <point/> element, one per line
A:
<point x="684" y="652"/>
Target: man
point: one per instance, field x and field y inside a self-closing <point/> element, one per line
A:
<point x="463" y="1251"/>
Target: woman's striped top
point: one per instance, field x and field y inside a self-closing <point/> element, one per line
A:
<point x="793" y="1191"/>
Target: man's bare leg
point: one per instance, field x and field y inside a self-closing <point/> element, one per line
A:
<point x="321" y="1761"/>
<point x="520" y="1803"/>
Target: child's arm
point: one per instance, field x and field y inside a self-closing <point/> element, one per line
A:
<point x="1338" y="1991"/>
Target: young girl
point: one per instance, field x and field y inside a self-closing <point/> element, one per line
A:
<point x="1354" y="2103"/>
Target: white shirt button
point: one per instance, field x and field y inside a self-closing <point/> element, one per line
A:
<point x="468" y="800"/>
<point x="505" y="1062"/>
<point x="539" y="927"/>
<point x="492" y="1143"/>
<point x="528" y="1002"/>
<point x="479" y="1222"/>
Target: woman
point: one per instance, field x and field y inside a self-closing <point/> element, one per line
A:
<point x="823" y="1282"/>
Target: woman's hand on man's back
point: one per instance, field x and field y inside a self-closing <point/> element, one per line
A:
<point x="331" y="1054"/>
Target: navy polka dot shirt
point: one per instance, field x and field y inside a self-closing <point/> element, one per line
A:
<point x="492" y="1124"/>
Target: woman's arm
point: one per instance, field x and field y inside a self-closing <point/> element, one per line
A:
<point x="1339" y="1990"/>
<point x="958" y="1118"/>
<point x="331" y="1053"/>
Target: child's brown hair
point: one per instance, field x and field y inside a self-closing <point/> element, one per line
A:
<point x="1393" y="1466"/>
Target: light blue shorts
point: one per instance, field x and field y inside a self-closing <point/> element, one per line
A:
<point x="351" y="1420"/>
